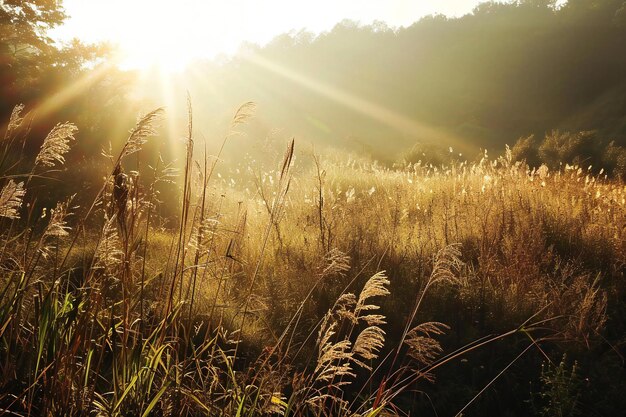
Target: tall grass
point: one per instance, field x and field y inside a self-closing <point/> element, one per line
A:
<point x="296" y="293"/>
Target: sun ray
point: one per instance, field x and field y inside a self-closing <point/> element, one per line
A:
<point x="176" y="146"/>
<point x="71" y="91"/>
<point x="382" y="114"/>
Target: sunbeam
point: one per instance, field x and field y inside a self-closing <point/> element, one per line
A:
<point x="71" y="91"/>
<point x="384" y="115"/>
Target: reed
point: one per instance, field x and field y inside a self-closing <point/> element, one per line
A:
<point x="329" y="290"/>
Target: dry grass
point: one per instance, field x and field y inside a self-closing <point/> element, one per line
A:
<point x="104" y="312"/>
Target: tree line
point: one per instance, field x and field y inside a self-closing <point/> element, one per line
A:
<point x="504" y="71"/>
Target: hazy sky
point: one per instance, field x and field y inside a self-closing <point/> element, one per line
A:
<point x="180" y="30"/>
<point x="177" y="31"/>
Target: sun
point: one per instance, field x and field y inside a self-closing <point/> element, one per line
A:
<point x="170" y="38"/>
<point x="157" y="52"/>
<point x="166" y="38"/>
<point x="169" y="35"/>
<point x="154" y="34"/>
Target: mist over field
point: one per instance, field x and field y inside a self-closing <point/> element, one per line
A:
<point x="298" y="209"/>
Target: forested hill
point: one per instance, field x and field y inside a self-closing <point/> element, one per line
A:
<point x="487" y="78"/>
<point x="480" y="80"/>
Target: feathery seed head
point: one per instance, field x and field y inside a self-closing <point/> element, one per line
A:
<point x="447" y="263"/>
<point x="244" y="113"/>
<point x="422" y="345"/>
<point x="11" y="198"/>
<point x="344" y="307"/>
<point x="368" y="344"/>
<point x="16" y="119"/>
<point x="335" y="262"/>
<point x="108" y="253"/>
<point x="56" y="145"/>
<point x="374" y="287"/>
<point x="145" y="128"/>
<point x="58" y="219"/>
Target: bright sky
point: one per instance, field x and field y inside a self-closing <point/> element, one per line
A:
<point x="173" y="32"/>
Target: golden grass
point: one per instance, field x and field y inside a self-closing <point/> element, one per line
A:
<point x="103" y="311"/>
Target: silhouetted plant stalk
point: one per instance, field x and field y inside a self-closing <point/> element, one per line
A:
<point x="179" y="258"/>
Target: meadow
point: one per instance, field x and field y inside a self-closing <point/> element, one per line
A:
<point x="305" y="283"/>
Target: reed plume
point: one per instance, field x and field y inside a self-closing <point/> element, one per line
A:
<point x="109" y="254"/>
<point x="335" y="262"/>
<point x="57" y="226"/>
<point x="56" y="145"/>
<point x="374" y="287"/>
<point x="367" y="345"/>
<point x="15" y="120"/>
<point x="334" y="357"/>
<point x="423" y="347"/>
<point x="11" y="198"/>
<point x="243" y="114"/>
<point x="144" y="128"/>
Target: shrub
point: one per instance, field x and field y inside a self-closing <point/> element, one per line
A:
<point x="614" y="160"/>
<point x="526" y="149"/>
<point x="571" y="148"/>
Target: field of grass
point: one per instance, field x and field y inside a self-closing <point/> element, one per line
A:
<point x="310" y="284"/>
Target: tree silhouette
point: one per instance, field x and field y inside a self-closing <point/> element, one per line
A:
<point x="31" y="63"/>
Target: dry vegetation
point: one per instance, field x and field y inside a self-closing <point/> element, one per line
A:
<point x="327" y="287"/>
